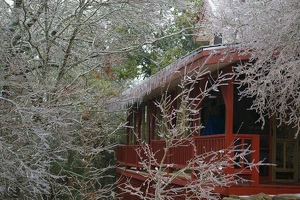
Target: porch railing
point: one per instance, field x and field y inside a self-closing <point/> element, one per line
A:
<point x="130" y="156"/>
<point x="209" y="143"/>
<point x="250" y="141"/>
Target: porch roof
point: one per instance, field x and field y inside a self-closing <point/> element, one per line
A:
<point x="209" y="58"/>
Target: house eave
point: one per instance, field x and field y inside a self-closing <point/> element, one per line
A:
<point x="210" y="58"/>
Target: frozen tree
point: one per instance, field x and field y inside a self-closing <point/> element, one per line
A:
<point x="268" y="30"/>
<point x="56" y="61"/>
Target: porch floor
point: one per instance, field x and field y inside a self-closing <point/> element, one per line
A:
<point x="267" y="187"/>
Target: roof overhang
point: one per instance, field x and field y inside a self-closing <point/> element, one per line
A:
<point x="210" y="58"/>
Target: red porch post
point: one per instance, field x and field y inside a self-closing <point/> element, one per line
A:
<point x="228" y="96"/>
<point x="128" y="129"/>
<point x="139" y="118"/>
<point x="152" y="120"/>
<point x="198" y="93"/>
<point x="173" y="107"/>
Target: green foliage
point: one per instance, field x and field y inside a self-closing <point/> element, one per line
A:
<point x="171" y="42"/>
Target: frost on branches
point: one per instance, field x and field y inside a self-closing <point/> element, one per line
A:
<point x="269" y="30"/>
<point x="56" y="133"/>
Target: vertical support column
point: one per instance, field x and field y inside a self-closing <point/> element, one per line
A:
<point x="173" y="107"/>
<point x="228" y="96"/>
<point x="199" y="89"/>
<point x="271" y="138"/>
<point x="128" y="129"/>
<point x="143" y="122"/>
<point x="198" y="94"/>
<point x="256" y="144"/>
<point x="196" y="106"/>
<point x="134" y="124"/>
<point x="147" y="122"/>
<point x="152" y="117"/>
<point x="139" y="118"/>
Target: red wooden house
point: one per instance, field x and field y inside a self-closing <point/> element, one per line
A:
<point x="273" y="144"/>
<point x="269" y="143"/>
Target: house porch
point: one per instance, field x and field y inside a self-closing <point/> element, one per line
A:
<point x="130" y="165"/>
<point x="271" y="144"/>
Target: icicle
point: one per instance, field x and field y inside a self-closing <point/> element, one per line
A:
<point x="137" y="93"/>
